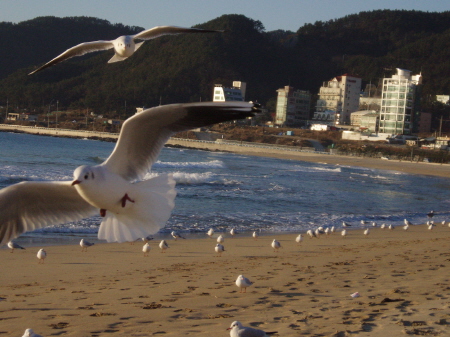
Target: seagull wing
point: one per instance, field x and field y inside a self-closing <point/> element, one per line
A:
<point x="155" y="32"/>
<point x="143" y="135"/>
<point x="30" y="205"/>
<point x="78" y="50"/>
<point x="251" y="332"/>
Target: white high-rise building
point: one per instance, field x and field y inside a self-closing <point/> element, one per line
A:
<point x="399" y="103"/>
<point x="235" y="93"/>
<point x="339" y="97"/>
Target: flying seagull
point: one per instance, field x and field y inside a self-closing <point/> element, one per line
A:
<point x="124" y="46"/>
<point x="131" y="207"/>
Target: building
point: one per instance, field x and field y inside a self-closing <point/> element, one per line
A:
<point x="236" y="93"/>
<point x="370" y="122"/>
<point x="399" y="103"/>
<point x="444" y="99"/>
<point x="355" y="117"/>
<point x="370" y="103"/>
<point x="21" y="117"/>
<point x="425" y="122"/>
<point x="340" y="97"/>
<point x="293" y="107"/>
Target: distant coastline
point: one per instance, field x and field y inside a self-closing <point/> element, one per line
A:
<point x="255" y="149"/>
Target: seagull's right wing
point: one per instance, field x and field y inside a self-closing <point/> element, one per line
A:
<point x="78" y="50"/>
<point x="30" y="205"/>
<point x="143" y="135"/>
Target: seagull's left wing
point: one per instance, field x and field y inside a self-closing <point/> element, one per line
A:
<point x="35" y="204"/>
<point x="169" y="30"/>
<point x="143" y="135"/>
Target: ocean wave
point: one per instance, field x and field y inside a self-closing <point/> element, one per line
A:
<point x="317" y="169"/>
<point x="186" y="178"/>
<point x="213" y="164"/>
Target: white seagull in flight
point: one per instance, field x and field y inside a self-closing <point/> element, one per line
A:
<point x="131" y="207"/>
<point x="124" y="46"/>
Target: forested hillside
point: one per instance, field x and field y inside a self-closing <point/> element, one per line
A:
<point x="185" y="67"/>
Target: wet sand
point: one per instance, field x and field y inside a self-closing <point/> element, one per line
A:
<point x="113" y="290"/>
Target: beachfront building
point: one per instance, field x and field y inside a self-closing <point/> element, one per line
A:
<point x="293" y="107"/>
<point x="339" y="97"/>
<point x="235" y="93"/>
<point x="399" y="112"/>
<point x="444" y="99"/>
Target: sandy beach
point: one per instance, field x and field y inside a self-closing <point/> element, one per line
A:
<point x="303" y="290"/>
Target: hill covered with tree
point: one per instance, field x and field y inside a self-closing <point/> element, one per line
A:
<point x="185" y="68"/>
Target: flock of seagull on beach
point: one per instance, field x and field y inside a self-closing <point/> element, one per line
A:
<point x="236" y="329"/>
<point x="220" y="248"/>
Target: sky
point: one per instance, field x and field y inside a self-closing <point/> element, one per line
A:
<point x="273" y="14"/>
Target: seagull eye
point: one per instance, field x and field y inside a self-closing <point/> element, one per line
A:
<point x="86" y="176"/>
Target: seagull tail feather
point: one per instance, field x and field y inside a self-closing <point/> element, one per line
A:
<point x="116" y="58"/>
<point x="154" y="201"/>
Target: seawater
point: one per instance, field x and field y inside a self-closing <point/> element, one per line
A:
<point x="223" y="190"/>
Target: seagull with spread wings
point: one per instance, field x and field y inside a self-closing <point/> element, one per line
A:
<point x="131" y="207"/>
<point x="124" y="46"/>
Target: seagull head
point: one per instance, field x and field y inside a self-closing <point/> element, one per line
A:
<point x="84" y="174"/>
<point x="28" y="333"/>
<point x="124" y="45"/>
<point x="235" y="324"/>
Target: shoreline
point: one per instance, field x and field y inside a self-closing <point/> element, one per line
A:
<point x="401" y="276"/>
<point x="421" y="168"/>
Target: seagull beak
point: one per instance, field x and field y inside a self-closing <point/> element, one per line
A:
<point x="76" y="182"/>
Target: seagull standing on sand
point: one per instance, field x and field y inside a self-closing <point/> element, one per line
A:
<point x="391" y="227"/>
<point x="131" y="207"/>
<point x="220" y="239"/>
<point x="146" y="249"/>
<point x="147" y="238"/>
<point x="85" y="244"/>
<point x="311" y="233"/>
<point x="30" y="333"/>
<point x="407" y="222"/>
<point x="13" y="245"/>
<point x="344" y="224"/>
<point x="366" y="232"/>
<point x="219" y="249"/>
<point x="210" y="232"/>
<point x="430" y="214"/>
<point x="299" y="239"/>
<point x="163" y="246"/>
<point x="41" y="255"/>
<point x="276" y="245"/>
<point x="406" y="227"/>
<point x="233" y="232"/>
<point x="237" y="330"/>
<point x="255" y="235"/>
<point x="177" y="235"/>
<point x="243" y="283"/>
<point x="344" y="233"/>
<point x="124" y="46"/>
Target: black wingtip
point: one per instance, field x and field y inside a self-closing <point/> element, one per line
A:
<point x="256" y="108"/>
